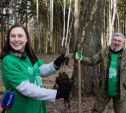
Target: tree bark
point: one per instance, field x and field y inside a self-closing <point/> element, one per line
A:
<point x="89" y="42"/>
<point x="51" y="26"/>
<point x="15" y="19"/>
<point x="76" y="22"/>
<point x="112" y="14"/>
<point x="36" y="35"/>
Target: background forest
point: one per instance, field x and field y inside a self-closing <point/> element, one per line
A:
<point x="51" y="23"/>
<point x="57" y="26"/>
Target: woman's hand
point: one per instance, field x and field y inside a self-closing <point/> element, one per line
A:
<point x="59" y="61"/>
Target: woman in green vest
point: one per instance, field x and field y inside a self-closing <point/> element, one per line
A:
<point x="22" y="70"/>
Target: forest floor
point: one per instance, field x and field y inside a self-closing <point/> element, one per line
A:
<point x="87" y="103"/>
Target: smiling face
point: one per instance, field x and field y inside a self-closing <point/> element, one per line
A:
<point x="18" y="39"/>
<point x="117" y="43"/>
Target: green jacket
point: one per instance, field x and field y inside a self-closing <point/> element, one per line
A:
<point x="103" y="56"/>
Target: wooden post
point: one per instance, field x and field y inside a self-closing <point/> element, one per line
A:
<point x="79" y="86"/>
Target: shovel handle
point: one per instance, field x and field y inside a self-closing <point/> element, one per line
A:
<point x="79" y="87"/>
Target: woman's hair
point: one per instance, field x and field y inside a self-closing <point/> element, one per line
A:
<point x="7" y="48"/>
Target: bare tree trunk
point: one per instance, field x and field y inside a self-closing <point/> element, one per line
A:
<point x="67" y="38"/>
<point x="124" y="24"/>
<point x="51" y="26"/>
<point x="36" y="36"/>
<point x="89" y="42"/>
<point x="7" y="12"/>
<point x="48" y="30"/>
<point x="2" y="26"/>
<point x="15" y="19"/>
<point x="26" y="15"/>
<point x="112" y="14"/>
<point x="76" y="22"/>
<point x="118" y="22"/>
<point x="64" y="25"/>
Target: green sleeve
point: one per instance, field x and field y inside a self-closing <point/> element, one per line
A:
<point x="11" y="74"/>
<point x="40" y="62"/>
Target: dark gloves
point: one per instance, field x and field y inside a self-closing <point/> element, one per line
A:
<point x="64" y="91"/>
<point x="59" y="61"/>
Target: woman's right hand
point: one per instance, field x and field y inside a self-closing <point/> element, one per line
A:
<point x="64" y="91"/>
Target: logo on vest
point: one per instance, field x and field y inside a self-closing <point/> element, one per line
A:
<point x="112" y="72"/>
<point x="30" y="70"/>
<point x="38" y="81"/>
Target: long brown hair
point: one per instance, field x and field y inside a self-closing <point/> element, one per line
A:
<point x="28" y="48"/>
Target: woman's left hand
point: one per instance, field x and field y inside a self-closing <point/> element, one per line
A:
<point x="59" y="61"/>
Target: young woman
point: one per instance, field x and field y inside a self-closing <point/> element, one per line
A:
<point x="22" y="70"/>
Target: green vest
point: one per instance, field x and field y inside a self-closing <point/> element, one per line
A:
<point x="112" y="81"/>
<point x="15" y="70"/>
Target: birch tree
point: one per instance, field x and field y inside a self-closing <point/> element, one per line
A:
<point x="51" y="26"/>
<point x="64" y="22"/>
<point x="14" y="4"/>
<point x="36" y="37"/>
<point x="112" y="15"/>
<point x="26" y="14"/>
<point x="67" y="42"/>
<point x="48" y="30"/>
<point x="66" y="30"/>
